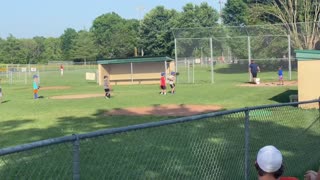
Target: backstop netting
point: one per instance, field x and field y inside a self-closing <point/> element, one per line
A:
<point x="211" y="54"/>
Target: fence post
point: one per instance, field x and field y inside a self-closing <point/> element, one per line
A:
<point x="76" y="158"/>
<point x="247" y="136"/>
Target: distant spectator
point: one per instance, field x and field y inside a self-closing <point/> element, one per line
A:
<point x="269" y="164"/>
<point x="254" y="69"/>
<point x="61" y="69"/>
<point x="312" y="175"/>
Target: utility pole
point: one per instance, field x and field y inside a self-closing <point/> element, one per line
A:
<point x="221" y="2"/>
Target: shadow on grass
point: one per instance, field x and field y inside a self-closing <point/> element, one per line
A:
<point x="284" y="96"/>
<point x="211" y="148"/>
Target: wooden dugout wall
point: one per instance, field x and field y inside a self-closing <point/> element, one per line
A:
<point x="142" y="70"/>
<point x="308" y="76"/>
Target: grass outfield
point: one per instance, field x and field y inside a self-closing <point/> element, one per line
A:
<point x="169" y="152"/>
<point x="24" y="119"/>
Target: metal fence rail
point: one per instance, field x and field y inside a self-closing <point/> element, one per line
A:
<point x="219" y="145"/>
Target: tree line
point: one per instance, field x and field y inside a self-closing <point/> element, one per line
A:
<point x="112" y="36"/>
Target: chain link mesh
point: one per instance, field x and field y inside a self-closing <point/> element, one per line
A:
<point x="211" y="148"/>
<point x="50" y="162"/>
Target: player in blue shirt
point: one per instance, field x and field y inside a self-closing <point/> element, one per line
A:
<point x="280" y="74"/>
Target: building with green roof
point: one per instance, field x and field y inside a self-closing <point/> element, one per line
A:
<point x="137" y="70"/>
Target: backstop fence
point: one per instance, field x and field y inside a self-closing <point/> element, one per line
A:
<point x="22" y="73"/>
<point x="229" y="49"/>
<point x="217" y="145"/>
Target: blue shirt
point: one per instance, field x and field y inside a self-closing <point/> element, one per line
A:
<point x="280" y="72"/>
<point x="253" y="67"/>
<point x="35" y="85"/>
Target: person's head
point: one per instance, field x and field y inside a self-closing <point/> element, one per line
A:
<point x="105" y="77"/>
<point x="280" y="67"/>
<point x="162" y="74"/>
<point x="252" y="61"/>
<point x="173" y="73"/>
<point x="269" y="162"/>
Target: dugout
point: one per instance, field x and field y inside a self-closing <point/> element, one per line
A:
<point x="137" y="70"/>
<point x="308" y="76"/>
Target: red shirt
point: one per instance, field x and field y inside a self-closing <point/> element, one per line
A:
<point x="162" y="81"/>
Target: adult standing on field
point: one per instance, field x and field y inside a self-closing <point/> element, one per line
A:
<point x="254" y="69"/>
<point x="61" y="69"/>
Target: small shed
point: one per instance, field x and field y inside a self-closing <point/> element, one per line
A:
<point x="308" y="76"/>
<point x="137" y="70"/>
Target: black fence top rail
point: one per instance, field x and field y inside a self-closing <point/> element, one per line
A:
<point x="71" y="138"/>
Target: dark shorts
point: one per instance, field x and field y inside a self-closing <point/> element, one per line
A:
<point x="172" y="85"/>
<point x="254" y="74"/>
<point x="107" y="90"/>
<point x="163" y="87"/>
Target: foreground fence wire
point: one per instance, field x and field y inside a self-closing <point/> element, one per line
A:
<point x="219" y="145"/>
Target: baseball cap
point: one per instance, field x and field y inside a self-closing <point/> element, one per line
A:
<point x="162" y="74"/>
<point x="269" y="159"/>
<point x="35" y="76"/>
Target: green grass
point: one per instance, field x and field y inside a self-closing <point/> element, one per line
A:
<point x="188" y="151"/>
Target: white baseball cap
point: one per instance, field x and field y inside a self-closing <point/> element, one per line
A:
<point x="269" y="159"/>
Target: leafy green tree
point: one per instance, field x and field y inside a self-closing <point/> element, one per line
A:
<point x="155" y="34"/>
<point x="235" y="13"/>
<point x="201" y="15"/>
<point x="84" y="47"/>
<point x="52" y="51"/>
<point x="67" y="42"/>
<point x="114" y="36"/>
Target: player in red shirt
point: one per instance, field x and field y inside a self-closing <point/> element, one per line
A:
<point x="163" y="84"/>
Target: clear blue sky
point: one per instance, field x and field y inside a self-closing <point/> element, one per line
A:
<point x="49" y="18"/>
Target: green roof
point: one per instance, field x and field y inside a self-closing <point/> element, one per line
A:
<point x="135" y="59"/>
<point x="305" y="55"/>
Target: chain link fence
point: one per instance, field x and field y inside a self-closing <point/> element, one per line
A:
<point x="23" y="73"/>
<point x="229" y="49"/>
<point x="218" y="145"/>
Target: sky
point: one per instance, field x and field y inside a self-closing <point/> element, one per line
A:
<point x="49" y="18"/>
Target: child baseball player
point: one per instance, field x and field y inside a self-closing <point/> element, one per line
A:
<point x="106" y="86"/>
<point x="172" y="79"/>
<point x="163" y="86"/>
<point x="36" y="87"/>
<point x="280" y="74"/>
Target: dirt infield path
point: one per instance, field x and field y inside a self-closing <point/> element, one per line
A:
<point x="269" y="84"/>
<point x="166" y="110"/>
<point x="54" y="87"/>
<point x="77" y="96"/>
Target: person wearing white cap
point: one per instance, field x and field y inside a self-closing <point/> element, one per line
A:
<point x="269" y="163"/>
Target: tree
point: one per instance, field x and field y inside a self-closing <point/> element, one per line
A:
<point x="235" y="13"/>
<point x="67" y="42"/>
<point x="290" y="12"/>
<point x="84" y="47"/>
<point x="114" y="36"/>
<point x="155" y="34"/>
<point x="52" y="51"/>
<point x="197" y="16"/>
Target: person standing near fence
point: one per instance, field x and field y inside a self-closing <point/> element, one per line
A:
<point x="36" y="86"/>
<point x="61" y="69"/>
<point x="269" y="164"/>
<point x="106" y="86"/>
<point x="254" y="69"/>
